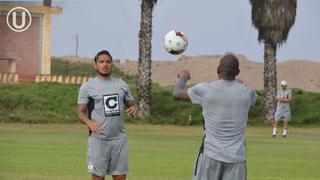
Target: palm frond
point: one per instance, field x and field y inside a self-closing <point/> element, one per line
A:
<point x="273" y="19"/>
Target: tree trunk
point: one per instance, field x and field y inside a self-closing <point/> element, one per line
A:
<point x="144" y="62"/>
<point x="270" y="81"/>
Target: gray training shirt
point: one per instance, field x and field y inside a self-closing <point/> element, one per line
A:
<point x="283" y="109"/>
<point x="105" y="100"/>
<point x="225" y="106"/>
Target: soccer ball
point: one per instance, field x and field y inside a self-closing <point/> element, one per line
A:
<point x="175" y="42"/>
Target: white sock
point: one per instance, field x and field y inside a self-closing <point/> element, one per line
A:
<point x="284" y="132"/>
<point x="274" y="131"/>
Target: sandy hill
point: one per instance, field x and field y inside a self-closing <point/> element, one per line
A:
<point x="302" y="74"/>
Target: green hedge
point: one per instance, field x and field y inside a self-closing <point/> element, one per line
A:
<point x="56" y="103"/>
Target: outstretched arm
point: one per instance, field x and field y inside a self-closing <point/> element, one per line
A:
<point x="180" y="92"/>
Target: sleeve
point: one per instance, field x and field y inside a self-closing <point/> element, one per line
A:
<point x="254" y="98"/>
<point x="83" y="95"/>
<point x="278" y="94"/>
<point x="289" y="93"/>
<point x="127" y="92"/>
<point x="196" y="93"/>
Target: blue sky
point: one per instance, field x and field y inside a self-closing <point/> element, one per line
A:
<point x="212" y="26"/>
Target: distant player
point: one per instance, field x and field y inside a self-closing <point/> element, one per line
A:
<point x="283" y="112"/>
<point x="225" y="106"/>
<point x="104" y="97"/>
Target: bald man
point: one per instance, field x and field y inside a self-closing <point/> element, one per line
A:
<point x="225" y="106"/>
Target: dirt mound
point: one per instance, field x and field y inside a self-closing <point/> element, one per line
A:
<point x="302" y="74"/>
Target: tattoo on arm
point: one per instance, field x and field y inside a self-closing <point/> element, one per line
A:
<point x="179" y="92"/>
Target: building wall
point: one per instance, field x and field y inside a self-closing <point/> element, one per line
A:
<point x="25" y="46"/>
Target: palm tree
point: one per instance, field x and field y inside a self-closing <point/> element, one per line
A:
<point x="273" y="19"/>
<point x="144" y="62"/>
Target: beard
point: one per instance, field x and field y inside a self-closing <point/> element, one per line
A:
<point x="104" y="74"/>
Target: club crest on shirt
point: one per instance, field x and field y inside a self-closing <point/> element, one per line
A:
<point x="117" y="87"/>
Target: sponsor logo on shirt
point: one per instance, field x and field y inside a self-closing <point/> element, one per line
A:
<point x="111" y="105"/>
<point x="98" y="89"/>
<point x="90" y="166"/>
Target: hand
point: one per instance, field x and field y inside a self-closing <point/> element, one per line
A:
<point x="94" y="127"/>
<point x="133" y="110"/>
<point x="184" y="74"/>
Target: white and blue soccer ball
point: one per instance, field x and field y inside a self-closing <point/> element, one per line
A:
<point x="175" y="42"/>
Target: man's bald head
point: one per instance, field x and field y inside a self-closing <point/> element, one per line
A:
<point x="229" y="67"/>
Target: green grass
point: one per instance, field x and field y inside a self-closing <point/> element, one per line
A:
<point x="305" y="108"/>
<point x="53" y="151"/>
<point x="38" y="103"/>
<point x="46" y="102"/>
<point x="56" y="103"/>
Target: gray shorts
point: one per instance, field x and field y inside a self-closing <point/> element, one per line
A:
<point x="282" y="115"/>
<point x="209" y="169"/>
<point x="107" y="157"/>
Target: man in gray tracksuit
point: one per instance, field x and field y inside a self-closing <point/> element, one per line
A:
<point x="104" y="98"/>
<point x="225" y="106"/>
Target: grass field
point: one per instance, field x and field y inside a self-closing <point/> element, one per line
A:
<point x="56" y="151"/>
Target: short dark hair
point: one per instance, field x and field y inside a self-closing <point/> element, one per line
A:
<point x="101" y="53"/>
<point x="229" y="67"/>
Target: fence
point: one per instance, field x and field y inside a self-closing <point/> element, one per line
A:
<point x="9" y="78"/>
<point x="62" y="79"/>
<point x="14" y="78"/>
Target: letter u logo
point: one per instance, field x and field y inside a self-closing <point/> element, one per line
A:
<point x="23" y="20"/>
<point x="19" y="27"/>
